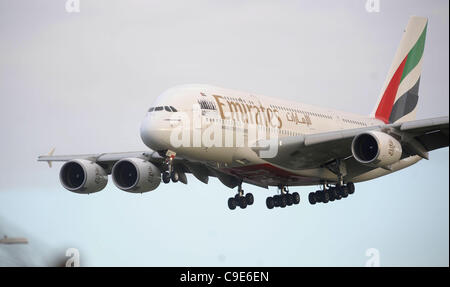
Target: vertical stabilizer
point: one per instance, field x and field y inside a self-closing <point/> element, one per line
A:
<point x="400" y="93"/>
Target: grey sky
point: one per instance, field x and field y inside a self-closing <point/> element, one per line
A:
<point x="83" y="81"/>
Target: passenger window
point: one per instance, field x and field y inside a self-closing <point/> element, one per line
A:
<point x="151" y="110"/>
<point x="167" y="108"/>
<point x="173" y="109"/>
<point x="157" y="109"/>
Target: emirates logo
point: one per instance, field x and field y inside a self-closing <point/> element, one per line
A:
<point x="391" y="148"/>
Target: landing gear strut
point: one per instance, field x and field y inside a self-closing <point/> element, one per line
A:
<point x="283" y="199"/>
<point x="240" y="199"/>
<point x="331" y="193"/>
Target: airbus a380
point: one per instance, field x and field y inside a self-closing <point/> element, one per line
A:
<point x="240" y="138"/>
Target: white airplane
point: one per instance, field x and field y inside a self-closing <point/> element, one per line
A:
<point x="241" y="137"/>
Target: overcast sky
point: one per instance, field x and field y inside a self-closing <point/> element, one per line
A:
<point x="82" y="82"/>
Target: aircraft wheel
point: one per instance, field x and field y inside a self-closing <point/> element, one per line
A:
<point x="351" y="187"/>
<point x="166" y="177"/>
<point x="283" y="201"/>
<point x="276" y="200"/>
<point x="332" y="193"/>
<point x="242" y="202"/>
<point x="270" y="203"/>
<point x="325" y="196"/>
<point x="318" y="195"/>
<point x="289" y="199"/>
<point x="232" y="203"/>
<point x="296" y="197"/>
<point x="344" y="191"/>
<point x="312" y="198"/>
<point x="338" y="190"/>
<point x="249" y="198"/>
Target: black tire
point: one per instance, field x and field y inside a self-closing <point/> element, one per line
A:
<point x="338" y="190"/>
<point x="270" y="203"/>
<point x="242" y="202"/>
<point x="276" y="200"/>
<point x="344" y="191"/>
<point x="318" y="195"/>
<point x="283" y="201"/>
<point x="332" y="193"/>
<point x="289" y="199"/>
<point x="232" y="203"/>
<point x="175" y="177"/>
<point x="351" y="187"/>
<point x="250" y="199"/>
<point x="296" y="197"/>
<point x="166" y="177"/>
<point x="312" y="198"/>
<point x="325" y="197"/>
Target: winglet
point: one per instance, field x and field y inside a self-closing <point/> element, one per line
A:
<point x="50" y="154"/>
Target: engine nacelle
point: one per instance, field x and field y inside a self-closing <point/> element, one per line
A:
<point x="376" y="149"/>
<point x="83" y="176"/>
<point x="136" y="175"/>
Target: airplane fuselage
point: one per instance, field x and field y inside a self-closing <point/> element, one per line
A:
<point x="221" y="127"/>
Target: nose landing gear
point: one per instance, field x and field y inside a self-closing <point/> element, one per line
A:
<point x="170" y="174"/>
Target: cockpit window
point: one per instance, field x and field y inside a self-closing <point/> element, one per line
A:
<point x="167" y="108"/>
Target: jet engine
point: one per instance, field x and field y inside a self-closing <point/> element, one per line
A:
<point x="83" y="176"/>
<point x="376" y="149"/>
<point x="136" y="175"/>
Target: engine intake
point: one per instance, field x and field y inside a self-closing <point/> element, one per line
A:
<point x="376" y="149"/>
<point x="83" y="176"/>
<point x="136" y="175"/>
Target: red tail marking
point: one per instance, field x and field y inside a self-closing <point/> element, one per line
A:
<point x="387" y="101"/>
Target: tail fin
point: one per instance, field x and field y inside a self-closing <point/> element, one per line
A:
<point x="400" y="93"/>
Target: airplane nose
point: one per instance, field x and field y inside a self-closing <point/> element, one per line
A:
<point x="145" y="131"/>
<point x="151" y="133"/>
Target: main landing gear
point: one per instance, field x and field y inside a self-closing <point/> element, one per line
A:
<point x="283" y="199"/>
<point x="240" y="199"/>
<point x="331" y="193"/>
<point x="170" y="174"/>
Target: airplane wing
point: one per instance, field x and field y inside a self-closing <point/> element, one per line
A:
<point x="309" y="151"/>
<point x="107" y="160"/>
<point x="100" y="157"/>
<point x="299" y="152"/>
